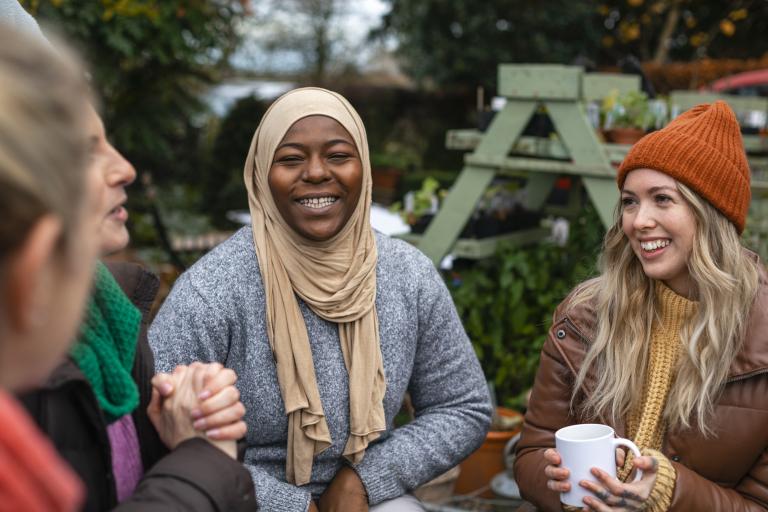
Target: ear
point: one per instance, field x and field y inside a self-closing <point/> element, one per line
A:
<point x="28" y="274"/>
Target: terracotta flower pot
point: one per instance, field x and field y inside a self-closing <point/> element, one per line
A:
<point x="483" y="464"/>
<point x="624" y="135"/>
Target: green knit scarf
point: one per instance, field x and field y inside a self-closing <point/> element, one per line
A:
<point x="106" y="347"/>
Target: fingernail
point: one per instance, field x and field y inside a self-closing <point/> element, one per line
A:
<point x="199" y="424"/>
<point x="196" y="413"/>
<point x="214" y="433"/>
<point x="166" y="388"/>
<point x="204" y="394"/>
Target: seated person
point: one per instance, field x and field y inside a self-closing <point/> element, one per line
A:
<point x="668" y="345"/>
<point x="327" y="324"/>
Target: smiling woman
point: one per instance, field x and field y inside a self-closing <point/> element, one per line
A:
<point x="668" y="344"/>
<point x="328" y="323"/>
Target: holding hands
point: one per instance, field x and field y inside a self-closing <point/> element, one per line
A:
<point x="199" y="400"/>
<point x="610" y="494"/>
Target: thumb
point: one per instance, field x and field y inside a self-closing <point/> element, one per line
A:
<point x="153" y="409"/>
<point x="163" y="383"/>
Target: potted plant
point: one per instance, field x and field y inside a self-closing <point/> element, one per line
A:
<point x="626" y="116"/>
<point x="419" y="206"/>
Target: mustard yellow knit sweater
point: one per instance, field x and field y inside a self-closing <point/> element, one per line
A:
<point x="645" y="425"/>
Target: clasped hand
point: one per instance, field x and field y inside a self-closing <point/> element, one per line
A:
<point x="610" y="495"/>
<point x="199" y="400"/>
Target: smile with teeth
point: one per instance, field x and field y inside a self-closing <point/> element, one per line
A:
<point x="654" y="245"/>
<point x="317" y="202"/>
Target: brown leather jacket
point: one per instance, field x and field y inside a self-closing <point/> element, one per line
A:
<point x="727" y="472"/>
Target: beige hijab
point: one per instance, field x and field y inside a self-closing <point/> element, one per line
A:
<point x="335" y="278"/>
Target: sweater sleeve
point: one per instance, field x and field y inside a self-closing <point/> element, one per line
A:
<point x="196" y="476"/>
<point x="188" y="328"/>
<point x="450" y="398"/>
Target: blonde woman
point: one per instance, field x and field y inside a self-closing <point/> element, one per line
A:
<point x="48" y="248"/>
<point x="669" y="345"/>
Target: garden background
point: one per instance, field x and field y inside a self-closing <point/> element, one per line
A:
<point x="412" y="69"/>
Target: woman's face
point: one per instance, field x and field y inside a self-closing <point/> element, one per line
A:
<point x="316" y="177"/>
<point x="117" y="173"/>
<point x="660" y="226"/>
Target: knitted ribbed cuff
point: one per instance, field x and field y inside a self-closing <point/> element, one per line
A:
<point x="664" y="487"/>
<point x="379" y="484"/>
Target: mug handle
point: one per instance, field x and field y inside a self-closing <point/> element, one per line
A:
<point x="620" y="441"/>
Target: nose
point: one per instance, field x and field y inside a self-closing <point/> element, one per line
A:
<point x="316" y="170"/>
<point x="644" y="218"/>
<point x="120" y="172"/>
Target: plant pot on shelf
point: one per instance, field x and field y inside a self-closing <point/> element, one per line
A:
<point x="624" y="135"/>
<point x="483" y="464"/>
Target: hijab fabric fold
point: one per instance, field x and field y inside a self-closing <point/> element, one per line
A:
<point x="336" y="278"/>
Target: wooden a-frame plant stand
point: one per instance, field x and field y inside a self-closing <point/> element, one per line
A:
<point x="564" y="92"/>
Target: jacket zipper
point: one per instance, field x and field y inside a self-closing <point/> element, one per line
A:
<point x="745" y="376"/>
<point x="575" y="329"/>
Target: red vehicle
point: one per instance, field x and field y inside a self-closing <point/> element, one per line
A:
<point x="749" y="83"/>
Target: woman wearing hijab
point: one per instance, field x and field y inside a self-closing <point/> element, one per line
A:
<point x="327" y="325"/>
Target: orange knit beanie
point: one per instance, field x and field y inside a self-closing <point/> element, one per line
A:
<point x="702" y="148"/>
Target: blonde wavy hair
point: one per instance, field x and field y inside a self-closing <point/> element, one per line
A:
<point x="43" y="137"/>
<point x="623" y="297"/>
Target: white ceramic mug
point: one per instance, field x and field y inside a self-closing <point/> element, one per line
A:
<point x="587" y="446"/>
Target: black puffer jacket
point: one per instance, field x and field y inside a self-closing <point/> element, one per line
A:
<point x="195" y="476"/>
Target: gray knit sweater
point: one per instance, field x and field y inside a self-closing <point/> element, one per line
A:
<point x="216" y="312"/>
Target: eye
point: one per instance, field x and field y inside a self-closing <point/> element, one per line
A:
<point x="663" y="199"/>
<point x="338" y="157"/>
<point x="288" y="159"/>
<point x="627" y="201"/>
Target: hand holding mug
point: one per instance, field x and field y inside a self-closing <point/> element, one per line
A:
<point x="558" y="476"/>
<point x="587" y="454"/>
<point x="612" y="495"/>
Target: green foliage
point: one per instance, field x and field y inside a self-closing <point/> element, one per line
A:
<point x="460" y="43"/>
<point x="222" y="173"/>
<point x="423" y="199"/>
<point x="506" y="302"/>
<point x="149" y="60"/>
<point x="629" y="110"/>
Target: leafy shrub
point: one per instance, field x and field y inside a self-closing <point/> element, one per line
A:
<point x="506" y="302"/>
